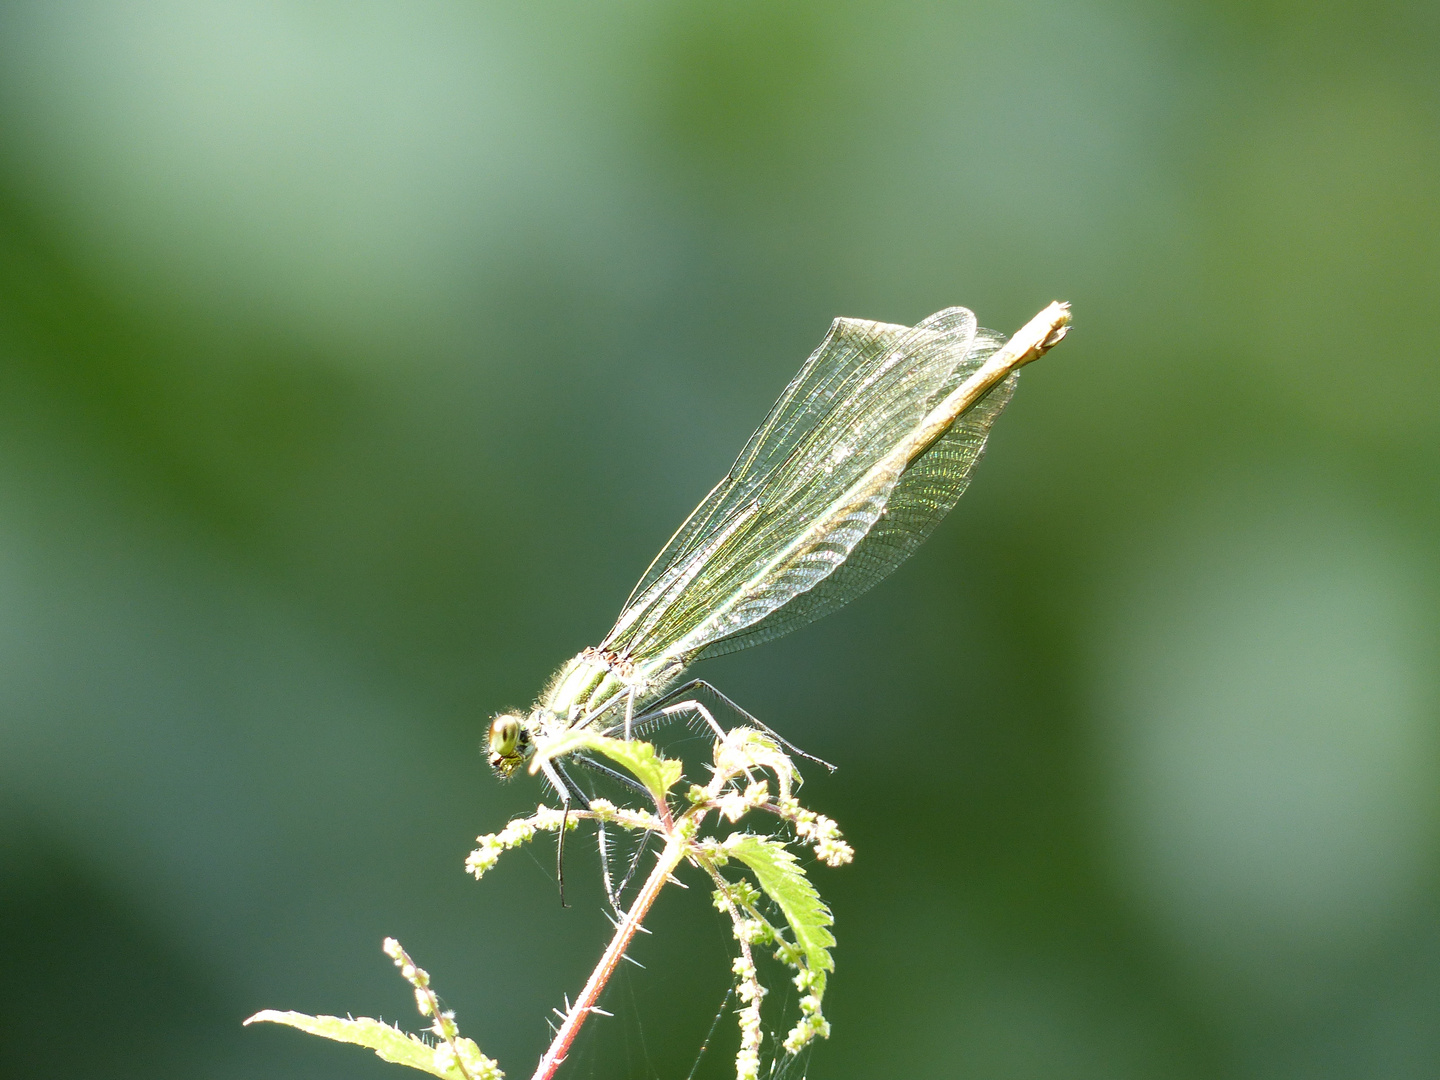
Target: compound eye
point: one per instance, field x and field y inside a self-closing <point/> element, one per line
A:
<point x="504" y="735"/>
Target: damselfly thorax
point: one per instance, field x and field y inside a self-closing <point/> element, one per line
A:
<point x="596" y="688"/>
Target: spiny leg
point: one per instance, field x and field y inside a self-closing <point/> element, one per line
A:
<point x="551" y="774"/>
<point x="601" y="837"/>
<point x="660" y="716"/>
<point x="638" y="788"/>
<point x="704" y="714"/>
<point x="655" y="718"/>
<point x="682" y="707"/>
<point x="701" y="684"/>
<point x="605" y="770"/>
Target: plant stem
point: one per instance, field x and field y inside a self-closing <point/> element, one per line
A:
<point x="666" y="862"/>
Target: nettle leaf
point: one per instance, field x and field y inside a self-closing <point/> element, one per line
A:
<point x="784" y="881"/>
<point x="389" y="1043"/>
<point x="658" y="774"/>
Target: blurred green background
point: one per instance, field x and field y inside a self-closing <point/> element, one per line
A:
<point x="356" y="358"/>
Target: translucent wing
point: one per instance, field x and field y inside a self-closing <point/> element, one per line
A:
<point x="813" y="496"/>
<point x="855" y="354"/>
<point x="925" y="493"/>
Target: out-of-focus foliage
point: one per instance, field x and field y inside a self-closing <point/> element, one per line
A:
<point x="356" y="358"/>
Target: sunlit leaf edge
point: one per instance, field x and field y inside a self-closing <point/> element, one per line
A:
<point x="389" y="1043"/>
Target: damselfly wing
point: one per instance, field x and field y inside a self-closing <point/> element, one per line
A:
<point x="867" y="449"/>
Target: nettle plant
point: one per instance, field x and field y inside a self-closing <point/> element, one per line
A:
<point x="752" y="778"/>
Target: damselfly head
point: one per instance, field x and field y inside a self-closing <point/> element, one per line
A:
<point x="509" y="744"/>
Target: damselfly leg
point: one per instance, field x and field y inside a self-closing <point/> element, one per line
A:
<point x="553" y="773"/>
<point x="569" y="789"/>
<point x="662" y="710"/>
<point x="612" y="774"/>
<point x="612" y="894"/>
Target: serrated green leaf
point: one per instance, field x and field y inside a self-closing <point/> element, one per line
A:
<point x="784" y="881"/>
<point x="658" y="774"/>
<point x="389" y="1043"/>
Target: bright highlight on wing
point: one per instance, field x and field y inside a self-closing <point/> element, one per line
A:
<point x="819" y="506"/>
<point x="867" y="449"/>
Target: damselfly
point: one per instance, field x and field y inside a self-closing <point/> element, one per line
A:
<point x="867" y="449"/>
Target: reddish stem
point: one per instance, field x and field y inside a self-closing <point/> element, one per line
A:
<point x="666" y="862"/>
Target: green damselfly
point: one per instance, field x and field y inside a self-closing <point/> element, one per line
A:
<point x="867" y="449"/>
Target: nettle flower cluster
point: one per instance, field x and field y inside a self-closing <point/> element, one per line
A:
<point x="758" y="882"/>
